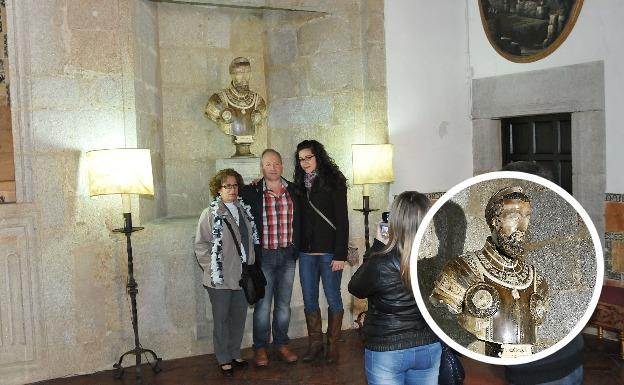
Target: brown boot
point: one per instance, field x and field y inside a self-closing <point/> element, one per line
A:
<point x="333" y="336"/>
<point x="261" y="357"/>
<point x="286" y="354"/>
<point x="315" y="336"/>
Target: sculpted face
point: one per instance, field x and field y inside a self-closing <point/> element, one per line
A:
<point x="240" y="77"/>
<point x="510" y="227"/>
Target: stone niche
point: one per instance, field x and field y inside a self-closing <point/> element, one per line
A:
<point x="139" y="72"/>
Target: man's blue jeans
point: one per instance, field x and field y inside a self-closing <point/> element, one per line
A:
<point x="414" y="366"/>
<point x="311" y="269"/>
<point x="278" y="267"/>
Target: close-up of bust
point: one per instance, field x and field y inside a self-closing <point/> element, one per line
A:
<point x="496" y="296"/>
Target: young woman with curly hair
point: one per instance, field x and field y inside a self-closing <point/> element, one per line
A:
<point x="324" y="238"/>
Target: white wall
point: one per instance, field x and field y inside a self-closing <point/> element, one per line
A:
<point x="597" y="35"/>
<point x="428" y="93"/>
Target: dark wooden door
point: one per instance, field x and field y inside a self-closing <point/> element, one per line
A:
<point x="544" y="139"/>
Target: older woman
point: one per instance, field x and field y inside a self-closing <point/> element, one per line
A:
<point x="226" y="222"/>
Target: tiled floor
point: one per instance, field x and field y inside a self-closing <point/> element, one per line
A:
<point x="602" y="367"/>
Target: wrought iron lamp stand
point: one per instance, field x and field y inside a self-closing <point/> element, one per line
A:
<point x="366" y="210"/>
<point x="132" y="288"/>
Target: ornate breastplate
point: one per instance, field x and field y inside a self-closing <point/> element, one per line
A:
<point x="502" y="306"/>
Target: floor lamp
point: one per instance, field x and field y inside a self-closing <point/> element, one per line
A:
<point x="125" y="171"/>
<point x="372" y="163"/>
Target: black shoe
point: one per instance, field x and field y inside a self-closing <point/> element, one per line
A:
<point x="227" y="372"/>
<point x="239" y="364"/>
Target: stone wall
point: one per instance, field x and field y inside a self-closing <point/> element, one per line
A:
<point x="559" y="246"/>
<point x="197" y="44"/>
<point x="103" y="74"/>
<point x="145" y="65"/>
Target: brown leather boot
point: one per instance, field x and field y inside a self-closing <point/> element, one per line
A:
<point x="315" y="336"/>
<point x="261" y="357"/>
<point x="333" y="335"/>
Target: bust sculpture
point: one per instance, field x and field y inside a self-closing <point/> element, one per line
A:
<point x="496" y="296"/>
<point x="237" y="110"/>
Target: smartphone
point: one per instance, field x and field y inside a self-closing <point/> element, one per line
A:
<point x="385" y="216"/>
<point x="384" y="229"/>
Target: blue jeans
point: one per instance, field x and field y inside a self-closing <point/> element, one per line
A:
<point x="413" y="366"/>
<point x="278" y="267"/>
<point x="311" y="269"/>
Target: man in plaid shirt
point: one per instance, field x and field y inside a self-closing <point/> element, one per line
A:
<point x="275" y="205"/>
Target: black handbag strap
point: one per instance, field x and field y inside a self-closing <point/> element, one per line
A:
<point x="319" y="211"/>
<point x="240" y="254"/>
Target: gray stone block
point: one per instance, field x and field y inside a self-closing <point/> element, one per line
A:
<point x="486" y="140"/>
<point x="578" y="87"/>
<point x="58" y="130"/>
<point x="327" y="34"/>
<point x="376" y="67"/>
<point x="552" y="217"/>
<point x="92" y="14"/>
<point x="184" y="67"/>
<point x="335" y="71"/>
<point x="282" y="46"/>
<point x="283" y="84"/>
<point x="181" y="26"/>
<point x="46" y="93"/>
<point x="95" y="51"/>
<point x="295" y="112"/>
<point x="566" y="309"/>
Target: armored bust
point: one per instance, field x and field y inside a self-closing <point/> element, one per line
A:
<point x="496" y="296"/>
<point x="237" y="110"/>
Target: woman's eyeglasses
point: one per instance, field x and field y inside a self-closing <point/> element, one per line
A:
<point x="229" y="186"/>
<point x="306" y="158"/>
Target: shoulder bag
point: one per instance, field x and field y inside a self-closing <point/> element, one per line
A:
<point x="252" y="279"/>
<point x="451" y="368"/>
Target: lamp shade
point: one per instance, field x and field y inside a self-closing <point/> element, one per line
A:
<point x="372" y="163"/>
<point x="120" y="171"/>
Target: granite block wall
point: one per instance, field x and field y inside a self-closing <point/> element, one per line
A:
<point x="122" y="73"/>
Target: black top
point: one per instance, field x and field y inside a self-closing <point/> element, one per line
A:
<point x="317" y="235"/>
<point x="393" y="320"/>
<point x="253" y="195"/>
<point x="551" y="368"/>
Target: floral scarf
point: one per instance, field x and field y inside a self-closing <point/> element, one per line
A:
<point x="308" y="179"/>
<point x="216" y="260"/>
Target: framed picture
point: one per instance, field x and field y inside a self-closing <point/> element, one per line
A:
<point x="524" y="31"/>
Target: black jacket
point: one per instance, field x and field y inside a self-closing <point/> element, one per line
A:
<point x="317" y="235"/>
<point x="393" y="320"/>
<point x="253" y="195"/>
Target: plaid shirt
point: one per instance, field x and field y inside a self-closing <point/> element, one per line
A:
<point x="277" y="218"/>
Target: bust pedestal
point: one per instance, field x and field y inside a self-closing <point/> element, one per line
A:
<point x="249" y="168"/>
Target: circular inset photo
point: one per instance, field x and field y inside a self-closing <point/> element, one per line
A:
<point x="508" y="267"/>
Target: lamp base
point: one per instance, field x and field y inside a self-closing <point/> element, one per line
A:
<point x="366" y="210"/>
<point x="132" y="288"/>
<point x="155" y="364"/>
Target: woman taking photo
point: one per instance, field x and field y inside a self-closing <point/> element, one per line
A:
<point x="325" y="234"/>
<point x="400" y="347"/>
<point x="225" y="238"/>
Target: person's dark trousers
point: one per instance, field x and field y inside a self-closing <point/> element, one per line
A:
<point x="278" y="266"/>
<point x="229" y="311"/>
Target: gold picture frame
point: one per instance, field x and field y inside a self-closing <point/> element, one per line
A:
<point x="524" y="31"/>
